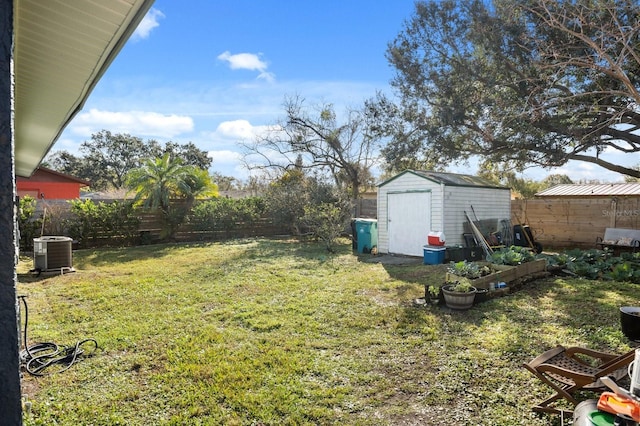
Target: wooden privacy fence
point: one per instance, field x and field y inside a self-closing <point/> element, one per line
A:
<point x="575" y="222"/>
<point x="151" y="228"/>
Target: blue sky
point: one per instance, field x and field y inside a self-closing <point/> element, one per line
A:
<point x="217" y="72"/>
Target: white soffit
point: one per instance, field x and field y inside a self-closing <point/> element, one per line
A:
<point x="61" y="49"/>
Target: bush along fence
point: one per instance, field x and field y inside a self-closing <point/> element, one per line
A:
<point x="118" y="223"/>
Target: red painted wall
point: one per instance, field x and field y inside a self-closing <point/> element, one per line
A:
<point x="49" y="191"/>
<point x="50" y="185"/>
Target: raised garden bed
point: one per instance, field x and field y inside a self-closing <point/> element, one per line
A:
<point x="502" y="273"/>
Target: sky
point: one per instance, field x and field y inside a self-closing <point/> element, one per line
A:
<point x="216" y="73"/>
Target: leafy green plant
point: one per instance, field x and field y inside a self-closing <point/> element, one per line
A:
<point x="470" y="270"/>
<point x="158" y="182"/>
<point x="514" y="255"/>
<point x="596" y="264"/>
<point x="625" y="272"/>
<point x="433" y="291"/>
<point x="463" y="285"/>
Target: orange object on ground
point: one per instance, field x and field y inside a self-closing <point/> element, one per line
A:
<point x="620" y="405"/>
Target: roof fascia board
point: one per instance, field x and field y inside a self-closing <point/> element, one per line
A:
<point x="27" y="160"/>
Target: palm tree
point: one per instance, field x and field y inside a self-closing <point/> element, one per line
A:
<point x="162" y="179"/>
<point x="197" y="183"/>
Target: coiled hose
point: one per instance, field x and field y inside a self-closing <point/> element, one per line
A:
<point x="40" y="356"/>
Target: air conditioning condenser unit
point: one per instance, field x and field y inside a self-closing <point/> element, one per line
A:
<point x="53" y="253"/>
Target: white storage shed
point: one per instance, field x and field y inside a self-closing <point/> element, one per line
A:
<point x="414" y="203"/>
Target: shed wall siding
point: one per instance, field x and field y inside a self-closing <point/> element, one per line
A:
<point x="488" y="203"/>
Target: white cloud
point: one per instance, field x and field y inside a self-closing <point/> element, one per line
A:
<point x="248" y="61"/>
<point x="138" y="123"/>
<point x="228" y="163"/>
<point x="148" y="23"/>
<point x="240" y="130"/>
<point x="225" y="157"/>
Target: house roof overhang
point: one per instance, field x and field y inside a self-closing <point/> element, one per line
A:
<point x="61" y="49"/>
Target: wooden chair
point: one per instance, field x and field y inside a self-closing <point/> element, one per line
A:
<point x="569" y="370"/>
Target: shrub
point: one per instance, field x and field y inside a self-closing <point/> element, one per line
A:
<point x="290" y="197"/>
<point x="107" y="221"/>
<point x="327" y="221"/>
<point x="28" y="224"/>
<point x="226" y="213"/>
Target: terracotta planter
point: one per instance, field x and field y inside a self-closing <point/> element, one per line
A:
<point x="458" y="300"/>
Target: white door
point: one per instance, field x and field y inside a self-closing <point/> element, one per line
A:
<point x="409" y="222"/>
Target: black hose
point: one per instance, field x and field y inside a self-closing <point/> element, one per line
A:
<point x="38" y="357"/>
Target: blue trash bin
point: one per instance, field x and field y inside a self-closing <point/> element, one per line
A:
<point x="367" y="234"/>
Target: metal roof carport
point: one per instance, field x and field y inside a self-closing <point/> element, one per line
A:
<point x="52" y="54"/>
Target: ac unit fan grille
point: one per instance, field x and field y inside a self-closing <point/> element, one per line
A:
<point x="59" y="255"/>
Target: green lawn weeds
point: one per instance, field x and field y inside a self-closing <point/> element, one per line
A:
<point x="279" y="332"/>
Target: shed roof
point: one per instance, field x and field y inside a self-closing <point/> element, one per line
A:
<point x="43" y="174"/>
<point x="449" y="179"/>
<point x="590" y="190"/>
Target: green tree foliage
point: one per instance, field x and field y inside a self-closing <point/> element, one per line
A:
<point x="190" y="154"/>
<point x="107" y="158"/>
<point x="225" y="183"/>
<point x="522" y="188"/>
<point x="159" y="181"/>
<point x="286" y="198"/>
<point x="632" y="179"/>
<point x="317" y="140"/>
<point x="197" y="183"/>
<point x="553" y="180"/>
<point x="535" y="82"/>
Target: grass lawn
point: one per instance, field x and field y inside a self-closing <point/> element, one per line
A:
<point x="277" y="332"/>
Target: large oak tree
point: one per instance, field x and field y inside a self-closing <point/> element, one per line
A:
<point x="532" y="82"/>
<point x="108" y="157"/>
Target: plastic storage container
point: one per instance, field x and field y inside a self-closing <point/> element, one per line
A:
<point x="367" y="234"/>
<point x="435" y="239"/>
<point x="455" y="254"/>
<point x="433" y="255"/>
<point x="458" y="253"/>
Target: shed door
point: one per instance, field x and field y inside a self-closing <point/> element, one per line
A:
<point x="409" y="222"/>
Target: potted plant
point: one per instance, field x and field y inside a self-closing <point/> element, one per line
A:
<point x="482" y="295"/>
<point x="459" y="294"/>
<point x="433" y="294"/>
